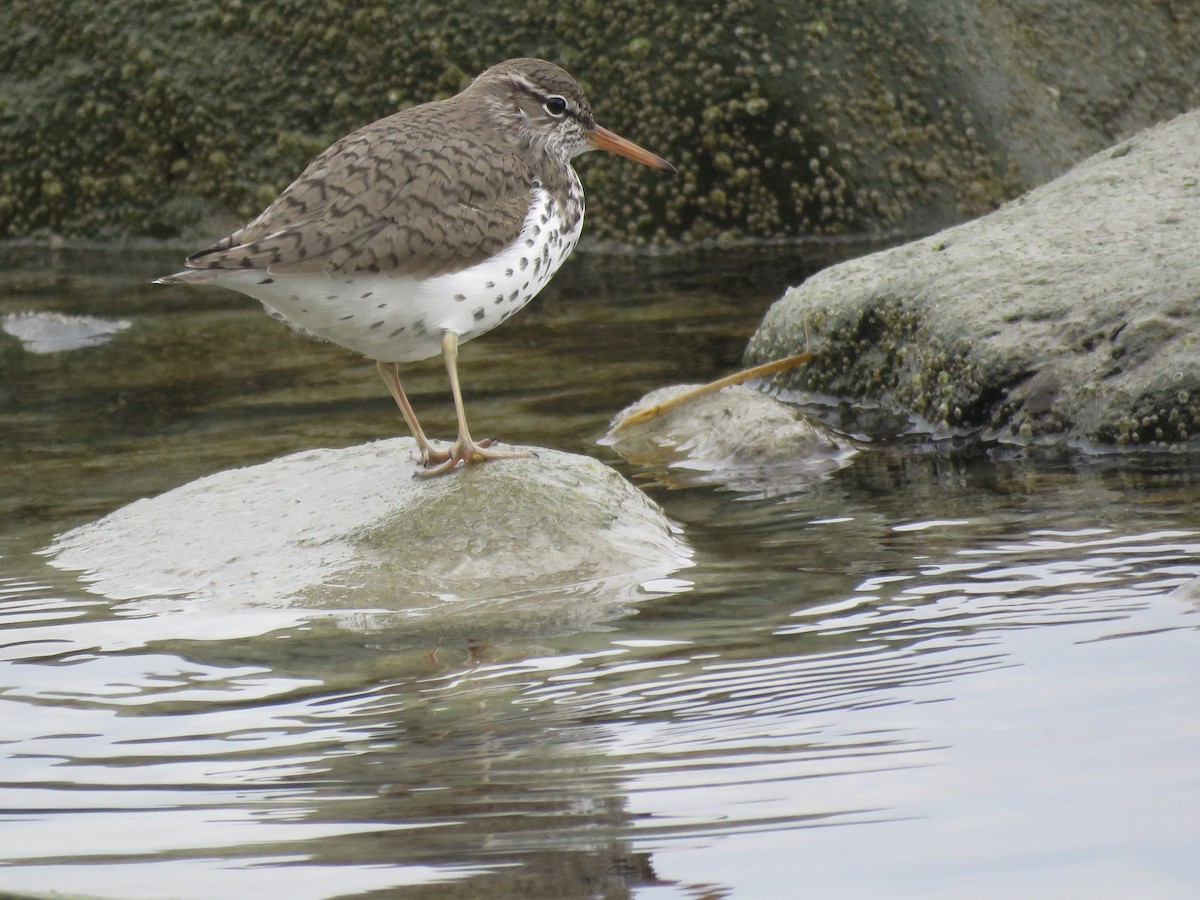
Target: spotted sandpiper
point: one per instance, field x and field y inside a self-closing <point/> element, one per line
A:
<point x="425" y="229"/>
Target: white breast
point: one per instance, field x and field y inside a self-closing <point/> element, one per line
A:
<point x="399" y="318"/>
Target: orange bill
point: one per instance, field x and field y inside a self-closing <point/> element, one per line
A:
<point x="603" y="139"/>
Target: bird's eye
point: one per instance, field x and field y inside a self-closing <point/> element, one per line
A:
<point x="555" y="105"/>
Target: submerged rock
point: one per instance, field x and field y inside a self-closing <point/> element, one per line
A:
<point x="1069" y="314"/>
<point x="555" y="538"/>
<point x="48" y="332"/>
<point x="737" y="437"/>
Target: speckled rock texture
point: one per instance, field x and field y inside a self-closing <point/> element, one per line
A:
<point x="817" y="117"/>
<point x="1071" y="314"/>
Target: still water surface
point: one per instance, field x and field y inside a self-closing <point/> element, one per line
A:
<point x="938" y="673"/>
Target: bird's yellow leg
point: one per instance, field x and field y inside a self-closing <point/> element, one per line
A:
<point x="465" y="450"/>
<point x="391" y="377"/>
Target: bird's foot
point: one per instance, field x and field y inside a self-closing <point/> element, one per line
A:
<point x="429" y="455"/>
<point x="465" y="452"/>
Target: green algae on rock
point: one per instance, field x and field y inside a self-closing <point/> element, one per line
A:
<point x="157" y="118"/>
<point x="1069" y="315"/>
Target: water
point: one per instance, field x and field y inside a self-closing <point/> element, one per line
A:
<point x="935" y="674"/>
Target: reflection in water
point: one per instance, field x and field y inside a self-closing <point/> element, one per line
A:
<point x="981" y="671"/>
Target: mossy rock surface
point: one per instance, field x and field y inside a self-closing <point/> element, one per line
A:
<point x="1069" y="315"/>
<point x="165" y="119"/>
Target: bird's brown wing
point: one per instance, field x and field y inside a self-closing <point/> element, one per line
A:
<point x="414" y="193"/>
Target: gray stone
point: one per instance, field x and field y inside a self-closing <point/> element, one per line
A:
<point x="552" y="540"/>
<point x="1069" y="314"/>
<point x="737" y="437"/>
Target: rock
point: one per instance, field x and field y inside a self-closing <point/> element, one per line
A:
<point x="1070" y="314"/>
<point x="553" y="540"/>
<point x="48" y="332"/>
<point x="783" y="119"/>
<point x="738" y="437"/>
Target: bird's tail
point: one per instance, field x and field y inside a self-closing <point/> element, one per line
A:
<point x="192" y="276"/>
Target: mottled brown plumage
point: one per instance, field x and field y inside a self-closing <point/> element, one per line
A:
<point x="424" y="191"/>
<point x="425" y="228"/>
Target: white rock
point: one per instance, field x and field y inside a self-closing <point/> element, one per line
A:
<point x="556" y="538"/>
<point x="46" y="332"/>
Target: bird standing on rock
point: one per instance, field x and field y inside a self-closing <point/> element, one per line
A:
<point x="425" y="229"/>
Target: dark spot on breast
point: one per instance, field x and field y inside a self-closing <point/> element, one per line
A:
<point x="499" y="299"/>
<point x="378" y="324"/>
<point x="397" y="332"/>
<point x="489" y="285"/>
<point x="367" y="294"/>
<point x="346" y="318"/>
<point x="513" y="296"/>
<point x="479" y="314"/>
<point x="524" y="263"/>
<point x="382" y="306"/>
<point x="267" y="281"/>
<point x="508" y="273"/>
<point x="460" y="297"/>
